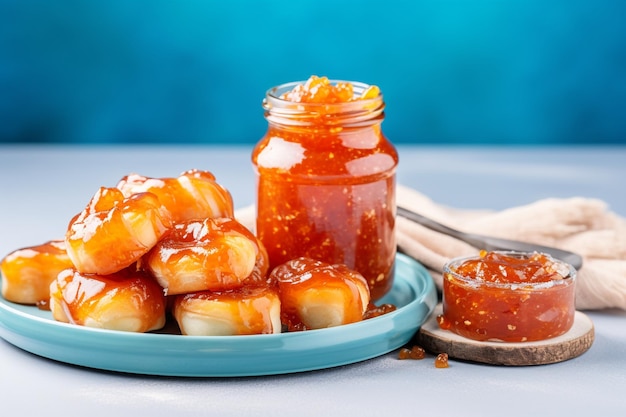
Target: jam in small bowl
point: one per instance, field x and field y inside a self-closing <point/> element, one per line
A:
<point x="508" y="297"/>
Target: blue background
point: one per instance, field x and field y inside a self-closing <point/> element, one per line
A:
<point x="189" y="72"/>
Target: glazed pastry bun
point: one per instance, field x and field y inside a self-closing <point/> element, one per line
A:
<point x="207" y="254"/>
<point x="113" y="232"/>
<point x="194" y="194"/>
<point x="128" y="300"/>
<point x="243" y="311"/>
<point x="316" y="295"/>
<point x="28" y="272"/>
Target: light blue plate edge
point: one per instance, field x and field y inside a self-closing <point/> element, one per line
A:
<point x="228" y="356"/>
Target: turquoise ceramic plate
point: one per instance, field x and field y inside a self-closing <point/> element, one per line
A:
<point x="413" y="293"/>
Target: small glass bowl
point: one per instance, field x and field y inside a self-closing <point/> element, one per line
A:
<point x="521" y="311"/>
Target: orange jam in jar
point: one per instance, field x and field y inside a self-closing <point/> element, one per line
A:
<point x="508" y="297"/>
<point x="326" y="178"/>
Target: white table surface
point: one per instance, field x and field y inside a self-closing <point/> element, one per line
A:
<point x="42" y="186"/>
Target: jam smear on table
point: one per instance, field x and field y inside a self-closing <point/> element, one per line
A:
<point x="441" y="361"/>
<point x="415" y="352"/>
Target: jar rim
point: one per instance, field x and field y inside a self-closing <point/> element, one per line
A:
<point x="566" y="280"/>
<point x="356" y="112"/>
<point x="278" y="90"/>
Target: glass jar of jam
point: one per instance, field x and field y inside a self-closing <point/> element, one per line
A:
<point x="508" y="297"/>
<point x="326" y="178"/>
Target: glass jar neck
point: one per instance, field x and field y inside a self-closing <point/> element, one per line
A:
<point x="353" y="114"/>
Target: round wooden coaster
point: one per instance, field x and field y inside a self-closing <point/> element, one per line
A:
<point x="567" y="346"/>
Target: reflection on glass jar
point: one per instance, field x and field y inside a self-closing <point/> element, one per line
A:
<point x="326" y="184"/>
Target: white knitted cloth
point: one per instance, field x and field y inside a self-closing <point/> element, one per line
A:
<point x="581" y="225"/>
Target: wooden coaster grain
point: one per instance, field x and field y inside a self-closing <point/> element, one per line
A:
<point x="567" y="346"/>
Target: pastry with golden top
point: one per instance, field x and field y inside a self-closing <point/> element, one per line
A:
<point x="252" y="309"/>
<point x="28" y="272"/>
<point x="129" y="300"/>
<point x="113" y="232"/>
<point x="195" y="194"/>
<point x="316" y="294"/>
<point x="207" y="254"/>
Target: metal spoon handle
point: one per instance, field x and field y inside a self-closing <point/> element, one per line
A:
<point x="491" y="243"/>
<point x="438" y="227"/>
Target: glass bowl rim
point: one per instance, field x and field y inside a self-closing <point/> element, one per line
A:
<point x="570" y="279"/>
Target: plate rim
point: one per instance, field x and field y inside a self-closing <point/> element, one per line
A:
<point x="244" y="354"/>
